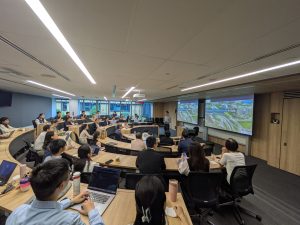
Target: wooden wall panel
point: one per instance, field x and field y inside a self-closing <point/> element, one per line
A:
<point x="221" y="141"/>
<point x="259" y="140"/>
<point x="158" y="109"/>
<point x="274" y="137"/>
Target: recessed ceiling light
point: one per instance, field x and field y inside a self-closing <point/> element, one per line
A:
<point x="245" y="75"/>
<point x="43" y="15"/>
<point x="142" y="100"/>
<point x="130" y="90"/>
<point x="61" y="96"/>
<point x="51" y="88"/>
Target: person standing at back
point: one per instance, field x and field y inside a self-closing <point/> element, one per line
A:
<point x="167" y="121"/>
<point x="231" y="157"/>
<point x="149" y="161"/>
<point x="48" y="180"/>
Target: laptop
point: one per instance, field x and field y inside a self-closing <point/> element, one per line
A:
<point x="6" y="170"/>
<point x="102" y="187"/>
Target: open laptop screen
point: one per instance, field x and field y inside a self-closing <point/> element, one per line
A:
<point x="104" y="179"/>
<point x="6" y="169"/>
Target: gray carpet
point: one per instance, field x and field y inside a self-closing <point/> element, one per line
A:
<point x="276" y="198"/>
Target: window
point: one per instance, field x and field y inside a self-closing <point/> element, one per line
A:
<point x="62" y="105"/>
<point x="136" y="109"/>
<point x="147" y="110"/>
<point x="126" y="109"/>
<point x="103" y="107"/>
<point x="89" y="106"/>
<point x="114" y="106"/>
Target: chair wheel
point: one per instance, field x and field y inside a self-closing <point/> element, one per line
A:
<point x="258" y="218"/>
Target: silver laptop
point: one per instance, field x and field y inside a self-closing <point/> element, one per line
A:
<point x="102" y="187"/>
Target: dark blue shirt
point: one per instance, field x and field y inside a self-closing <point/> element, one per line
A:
<point x="184" y="145"/>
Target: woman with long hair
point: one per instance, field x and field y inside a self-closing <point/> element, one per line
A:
<point x="197" y="160"/>
<point x="84" y="134"/>
<point x="84" y="163"/>
<point x="95" y="140"/>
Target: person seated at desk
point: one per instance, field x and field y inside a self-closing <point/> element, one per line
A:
<point x="68" y="123"/>
<point x="58" y="117"/>
<point x="136" y="118"/>
<point x="184" y="143"/>
<point x="166" y="140"/>
<point x="83" y="116"/>
<point x="50" y="136"/>
<point x="5" y="128"/>
<point x="114" y="114"/>
<point x="97" y="115"/>
<point x="118" y="132"/>
<point x="84" y="134"/>
<point x="195" y="137"/>
<point x="105" y="122"/>
<point x="138" y="143"/>
<point x="95" y="140"/>
<point x="150" y="201"/>
<point x="149" y="161"/>
<point x="84" y="163"/>
<point x="67" y="116"/>
<point x="40" y="119"/>
<point x="231" y="157"/>
<point x="197" y="160"/>
<point x="48" y="180"/>
<point x="94" y="126"/>
<point x="56" y="147"/>
<point x="39" y="142"/>
<point x="145" y="135"/>
<point x="113" y="121"/>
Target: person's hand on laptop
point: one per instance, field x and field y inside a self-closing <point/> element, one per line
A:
<point x="80" y="198"/>
<point x="87" y="206"/>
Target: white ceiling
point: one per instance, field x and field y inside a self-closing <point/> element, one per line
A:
<point x="151" y="44"/>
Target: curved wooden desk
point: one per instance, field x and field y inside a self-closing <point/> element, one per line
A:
<point x="114" y="215"/>
<point x="14" y="198"/>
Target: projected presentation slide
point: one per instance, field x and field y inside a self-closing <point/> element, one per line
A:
<point x="230" y="114"/>
<point x="187" y="111"/>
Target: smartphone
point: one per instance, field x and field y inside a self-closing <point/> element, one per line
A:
<point x="109" y="161"/>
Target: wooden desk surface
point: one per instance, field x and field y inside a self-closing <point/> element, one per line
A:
<point x="116" y="215"/>
<point x="14" y="198"/>
<point x="128" y="161"/>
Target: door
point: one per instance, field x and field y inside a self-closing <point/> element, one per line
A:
<point x="290" y="145"/>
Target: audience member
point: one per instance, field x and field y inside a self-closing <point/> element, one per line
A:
<point x="231" y="157"/>
<point x="84" y="163"/>
<point x="184" y="143"/>
<point x="84" y="134"/>
<point x="166" y="140"/>
<point x="149" y="161"/>
<point x="48" y="180"/>
<point x="138" y="143"/>
<point x="56" y="147"/>
<point x="40" y="119"/>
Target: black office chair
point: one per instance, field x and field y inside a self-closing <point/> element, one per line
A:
<point x="85" y="177"/>
<point x="115" y="136"/>
<point x="123" y="151"/>
<point x="241" y="185"/>
<point x="201" y="193"/>
<point x="208" y="150"/>
<point x="131" y="179"/>
<point x="34" y="124"/>
<point x="111" y="149"/>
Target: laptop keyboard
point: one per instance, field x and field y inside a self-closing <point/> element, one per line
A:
<point x="99" y="198"/>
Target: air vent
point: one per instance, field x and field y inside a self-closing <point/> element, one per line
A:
<point x="32" y="57"/>
<point x="13" y="72"/>
<point x="169" y="88"/>
<point x="292" y="94"/>
<point x="48" y="75"/>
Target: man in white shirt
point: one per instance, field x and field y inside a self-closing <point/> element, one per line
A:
<point x="167" y="121"/>
<point x="231" y="157"/>
<point x="138" y="143"/>
<point x="57" y="147"/>
<point x="39" y="142"/>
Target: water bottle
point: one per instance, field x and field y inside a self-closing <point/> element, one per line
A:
<point x="76" y="184"/>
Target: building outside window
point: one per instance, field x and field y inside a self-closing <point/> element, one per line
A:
<point x="62" y="105"/>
